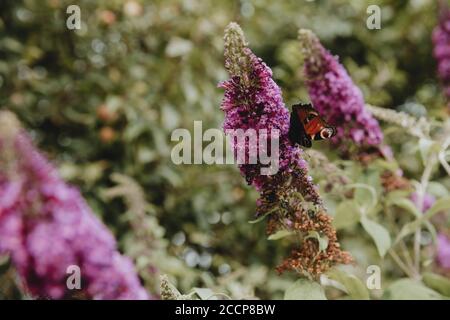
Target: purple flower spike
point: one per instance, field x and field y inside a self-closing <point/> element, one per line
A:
<point x="443" y="251"/>
<point x="253" y="101"/>
<point x="441" y="52"/>
<point x="47" y="228"/>
<point x="335" y="96"/>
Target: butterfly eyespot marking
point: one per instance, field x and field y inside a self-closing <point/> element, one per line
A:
<point x="326" y="133"/>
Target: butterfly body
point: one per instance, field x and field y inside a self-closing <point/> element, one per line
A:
<point x="307" y="125"/>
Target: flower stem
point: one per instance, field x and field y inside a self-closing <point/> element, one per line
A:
<point x="401" y="264"/>
<point x="421" y="193"/>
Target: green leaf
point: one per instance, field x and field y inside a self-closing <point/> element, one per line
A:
<point x="437" y="189"/>
<point x="323" y="241"/>
<point x="304" y="289"/>
<point x="373" y="179"/>
<point x="205" y="293"/>
<point x="411" y="227"/>
<point x="406" y="204"/>
<point x="432" y="230"/>
<point x="437" y="282"/>
<point x="347" y="215"/>
<point x="396" y="194"/>
<point x="280" y="234"/>
<point x="409" y="206"/>
<point x="441" y="204"/>
<point x="259" y="219"/>
<point x="262" y="217"/>
<point x="407" y="229"/>
<point x="388" y="165"/>
<point x="424" y="148"/>
<point x="365" y="195"/>
<point x="408" y="289"/>
<point x="355" y="287"/>
<point x="378" y="233"/>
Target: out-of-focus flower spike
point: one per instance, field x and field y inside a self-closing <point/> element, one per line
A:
<point x="48" y="229"/>
<point x="311" y="50"/>
<point x="335" y="96"/>
<point x="419" y="128"/>
<point x="441" y="51"/>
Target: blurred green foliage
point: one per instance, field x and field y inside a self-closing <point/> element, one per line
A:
<point x="105" y="99"/>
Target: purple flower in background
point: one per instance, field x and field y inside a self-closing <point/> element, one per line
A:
<point x="428" y="201"/>
<point x="46" y="227"/>
<point x="443" y="251"/>
<point x="441" y="42"/>
<point x="335" y="95"/>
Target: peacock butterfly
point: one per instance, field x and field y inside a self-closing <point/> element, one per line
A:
<point x="307" y="125"/>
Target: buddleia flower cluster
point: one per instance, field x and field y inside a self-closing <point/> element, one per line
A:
<point x="334" y="95"/>
<point x="289" y="198"/>
<point x="441" y="51"/>
<point x="50" y="232"/>
<point x="443" y="251"/>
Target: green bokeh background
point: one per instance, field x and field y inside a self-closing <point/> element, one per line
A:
<point x="105" y="99"/>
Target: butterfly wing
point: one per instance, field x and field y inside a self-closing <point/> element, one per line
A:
<point x="318" y="129"/>
<point x="308" y="125"/>
<point x="304" y="111"/>
<point x="297" y="133"/>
